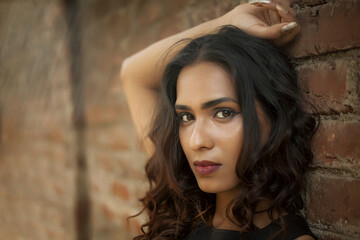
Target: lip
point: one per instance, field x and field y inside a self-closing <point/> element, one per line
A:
<point x="206" y="167"/>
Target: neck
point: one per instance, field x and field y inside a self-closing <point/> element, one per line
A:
<point x="222" y="221"/>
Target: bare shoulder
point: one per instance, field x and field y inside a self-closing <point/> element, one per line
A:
<point x="305" y="237"/>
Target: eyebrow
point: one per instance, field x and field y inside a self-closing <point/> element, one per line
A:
<point x="208" y="104"/>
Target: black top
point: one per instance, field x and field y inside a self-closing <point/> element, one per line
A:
<point x="296" y="227"/>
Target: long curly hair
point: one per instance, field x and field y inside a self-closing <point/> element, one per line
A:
<point x="272" y="171"/>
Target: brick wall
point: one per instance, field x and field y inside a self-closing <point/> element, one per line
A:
<point x="327" y="57"/>
<point x="36" y="136"/>
<point x="70" y="165"/>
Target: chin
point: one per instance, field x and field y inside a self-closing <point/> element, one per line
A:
<point x="209" y="187"/>
<point x="216" y="186"/>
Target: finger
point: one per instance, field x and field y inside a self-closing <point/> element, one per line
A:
<point x="267" y="32"/>
<point x="285" y="14"/>
<point x="284" y="3"/>
<point x="274" y="18"/>
<point x="287" y="36"/>
<point x="259" y="2"/>
<point x="271" y="4"/>
<point x="285" y="10"/>
<point x="290" y="28"/>
<point x="283" y="32"/>
<point x="278" y="14"/>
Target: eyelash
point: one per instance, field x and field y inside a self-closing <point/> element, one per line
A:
<point x="231" y="112"/>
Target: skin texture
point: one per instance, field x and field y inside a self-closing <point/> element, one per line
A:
<point x="141" y="83"/>
<point x="214" y="133"/>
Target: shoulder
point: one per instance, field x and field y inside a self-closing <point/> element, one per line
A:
<point x="200" y="232"/>
<point x="305" y="237"/>
<point x="298" y="228"/>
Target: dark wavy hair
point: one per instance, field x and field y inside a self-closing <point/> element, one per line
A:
<point x="272" y="171"/>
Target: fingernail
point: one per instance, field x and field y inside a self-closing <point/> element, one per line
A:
<point x="259" y="2"/>
<point x="280" y="8"/>
<point x="289" y="27"/>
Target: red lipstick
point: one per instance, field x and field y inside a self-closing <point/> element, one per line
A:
<point x="206" y="167"/>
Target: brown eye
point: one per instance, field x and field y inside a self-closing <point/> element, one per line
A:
<point x="186" y="117"/>
<point x="223" y="114"/>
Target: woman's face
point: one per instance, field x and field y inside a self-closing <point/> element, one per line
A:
<point x="211" y="125"/>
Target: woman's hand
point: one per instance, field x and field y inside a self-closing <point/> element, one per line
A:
<point x="141" y="73"/>
<point x="275" y="20"/>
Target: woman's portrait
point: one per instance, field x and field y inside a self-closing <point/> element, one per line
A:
<point x="180" y="120"/>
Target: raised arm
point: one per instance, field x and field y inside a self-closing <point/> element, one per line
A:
<point x="141" y="73"/>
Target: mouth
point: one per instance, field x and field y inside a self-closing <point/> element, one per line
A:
<point x="206" y="167"/>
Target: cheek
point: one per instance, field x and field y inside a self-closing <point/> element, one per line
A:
<point x="183" y="137"/>
<point x="227" y="137"/>
<point x="231" y="138"/>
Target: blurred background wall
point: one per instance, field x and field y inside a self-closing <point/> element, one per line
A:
<point x="70" y="164"/>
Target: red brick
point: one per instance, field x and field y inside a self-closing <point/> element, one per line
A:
<point x="132" y="224"/>
<point x="95" y="188"/>
<point x="326" y="86"/>
<point x="109" y="214"/>
<point x="202" y="14"/>
<point x="337" y="144"/>
<point x="120" y="190"/>
<point x="59" y="190"/>
<point x="332" y="28"/>
<point x="148" y="12"/>
<point x="53" y="14"/>
<point x="330" y="236"/>
<point x="106" y="111"/>
<point x="325" y="235"/>
<point x="132" y="166"/>
<point x="226" y="6"/>
<point x="334" y="201"/>
<point x="115" y="84"/>
<point x="112" y="26"/>
<point x="116" y="137"/>
<point x="11" y="126"/>
<point x="98" y="9"/>
<point x="174" y="6"/>
<point x="123" y="23"/>
<point x="307" y="2"/>
<point x="139" y="40"/>
<point x="105" y="160"/>
<point x="55" y="235"/>
<point x="57" y="134"/>
<point x="170" y="26"/>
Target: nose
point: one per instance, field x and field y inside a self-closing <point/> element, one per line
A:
<point x="200" y="138"/>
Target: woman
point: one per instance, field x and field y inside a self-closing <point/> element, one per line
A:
<point x="229" y="143"/>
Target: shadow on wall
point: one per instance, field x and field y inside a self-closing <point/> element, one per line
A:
<point x="82" y="195"/>
<point x="59" y="122"/>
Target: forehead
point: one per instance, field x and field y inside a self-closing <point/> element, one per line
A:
<point x="204" y="81"/>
